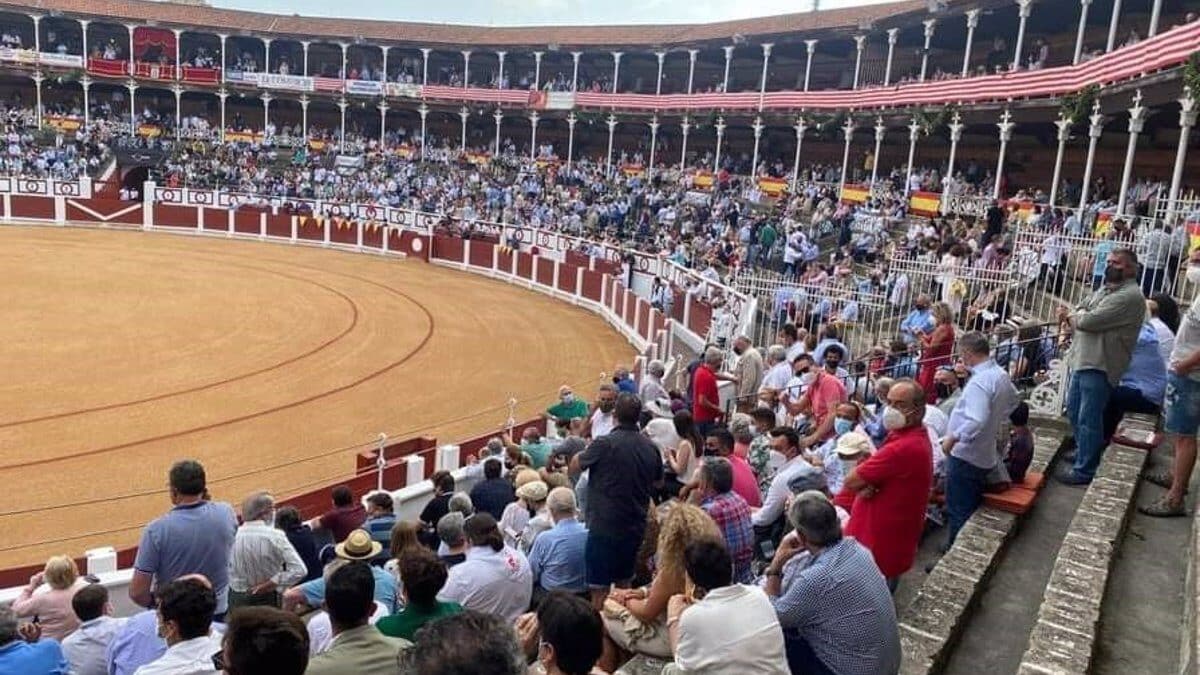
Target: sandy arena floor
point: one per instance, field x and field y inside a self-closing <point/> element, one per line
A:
<point x="121" y="352"/>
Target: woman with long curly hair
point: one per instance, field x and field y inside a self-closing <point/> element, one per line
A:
<point x="635" y="619"/>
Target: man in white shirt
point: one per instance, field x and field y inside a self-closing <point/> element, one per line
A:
<point x="185" y="611"/>
<point x="602" y="420"/>
<point x="779" y="370"/>
<point x="85" y="647"/>
<point x="494" y="579"/>
<point x="731" y="629"/>
<point x="263" y="561"/>
<point x="786" y="442"/>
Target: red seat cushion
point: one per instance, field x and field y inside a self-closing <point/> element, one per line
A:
<point x="1016" y="500"/>
<point x="1137" y="438"/>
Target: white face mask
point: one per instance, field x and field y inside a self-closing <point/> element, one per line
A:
<point x="893" y="419"/>
<point x="807" y="379"/>
<point x="1193" y="274"/>
<point x="753" y="429"/>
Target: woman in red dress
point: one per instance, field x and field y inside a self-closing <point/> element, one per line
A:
<point x="935" y="348"/>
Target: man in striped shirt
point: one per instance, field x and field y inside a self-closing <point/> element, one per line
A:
<point x="263" y="561"/>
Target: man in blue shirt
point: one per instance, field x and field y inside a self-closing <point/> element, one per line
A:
<point x="1144" y="384"/>
<point x="557" y="558"/>
<point x="18" y="656"/>
<point x="381" y="518"/>
<point x="920" y="319"/>
<point x="970" y="443"/>
<point x="194" y="537"/>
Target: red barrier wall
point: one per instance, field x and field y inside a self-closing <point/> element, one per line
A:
<point x="41" y="208"/>
<point x="279" y="225"/>
<point x="373" y="236"/>
<point x="248" y="225"/>
<point x="175" y="216"/>
<point x="217" y="219"/>
<point x="545" y="271"/>
<point x="347" y="233"/>
<point x="480" y="254"/>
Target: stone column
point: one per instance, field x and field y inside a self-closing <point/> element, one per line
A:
<point x="571" y="121"/>
<point x="848" y="133"/>
<point x="423" y="111"/>
<point x="463" y="114"/>
<point x="86" y="83"/>
<point x="266" y="101"/>
<point x="612" y="128"/>
<point x="972" y="24"/>
<point x="687" y="127"/>
<point x="267" y="54"/>
<point x="132" y="61"/>
<point x="1112" y="27"/>
<point x="304" y="117"/>
<point x="1187" y="120"/>
<point x="956" y="129"/>
<point x="720" y="136"/>
<point x="178" y="90"/>
<point x="383" y="108"/>
<point x="1137" y="120"/>
<point x="500" y="71"/>
<point x="466" y="68"/>
<point x="224" y="63"/>
<point x="616" y="70"/>
<point x="859" y="40"/>
<point x="537" y="70"/>
<point x="800" y="126"/>
<point x="223" y="94"/>
<point x="38" y="78"/>
<point x="178" y="53"/>
<point x="914" y="131"/>
<point x="1005" y="125"/>
<point x="498" y="115"/>
<point x="1083" y="12"/>
<point x="131" y="85"/>
<point x="658" y="81"/>
<point x="762" y="84"/>
<point x="575" y="71"/>
<point x="304" y="44"/>
<point x="1064" y="133"/>
<point x="691" y="68"/>
<point x="758" y="129"/>
<point x="880" y="130"/>
<point x="930" y="25"/>
<point x="342" y="104"/>
<point x="1023" y="8"/>
<point x="891" y="39"/>
<point x="728" y="60"/>
<point x="425" y="66"/>
<point x="83" y="33"/>
<point x="533" y="124"/>
<point x="810" y="47"/>
<point x="653" y="146"/>
<point x="1094" y="130"/>
<point x="1155" y="13"/>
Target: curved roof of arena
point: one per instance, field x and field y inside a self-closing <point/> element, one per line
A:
<point x="432" y="34"/>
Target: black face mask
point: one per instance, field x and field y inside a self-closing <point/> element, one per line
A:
<point x="1113" y="274"/>
<point x="607" y="406"/>
<point x="738" y="350"/>
<point x="943" y="391"/>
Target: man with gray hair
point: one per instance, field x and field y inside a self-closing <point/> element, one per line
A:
<point x="558" y="557"/>
<point x="652" y="387"/>
<point x="706" y="398"/>
<point x="453" y="547"/>
<point x="263" y="562"/>
<point x="779" y="370"/>
<point x="833" y="578"/>
<point x="22" y="652"/>
<point x="748" y="373"/>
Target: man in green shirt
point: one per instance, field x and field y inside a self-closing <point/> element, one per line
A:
<point x="423" y="577"/>
<point x="568" y="407"/>
<point x="532" y="445"/>
<point x="766" y="240"/>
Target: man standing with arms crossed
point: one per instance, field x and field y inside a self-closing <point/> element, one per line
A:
<point x="1106" y="329"/>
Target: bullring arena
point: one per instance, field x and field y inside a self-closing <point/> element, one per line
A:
<point x="126" y="350"/>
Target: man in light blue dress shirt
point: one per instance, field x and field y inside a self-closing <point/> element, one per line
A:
<point x="970" y="442"/>
<point x="558" y="559"/>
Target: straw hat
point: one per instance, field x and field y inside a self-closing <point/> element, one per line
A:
<point x="534" y="491"/>
<point x="358" y="546"/>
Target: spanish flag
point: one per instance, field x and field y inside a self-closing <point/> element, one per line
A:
<point x="772" y="186"/>
<point x="855" y="194"/>
<point x="926" y="204"/>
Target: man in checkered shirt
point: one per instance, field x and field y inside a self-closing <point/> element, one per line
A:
<point x="833" y="603"/>
<point x="731" y="513"/>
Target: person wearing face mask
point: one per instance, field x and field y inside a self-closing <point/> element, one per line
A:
<point x="602" y="421"/>
<point x="568" y="407"/>
<point x="822" y="394"/>
<point x="946" y="382"/>
<point x="185" y="615"/>
<point x="748" y="373"/>
<point x="970" y="443"/>
<point x="919" y="320"/>
<point x="1106" y="327"/>
<point x="892" y="486"/>
<point x="825" y="457"/>
<point x="262" y="561"/>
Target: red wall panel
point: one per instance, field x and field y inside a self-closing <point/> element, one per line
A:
<point x="33" y="207"/>
<point x="593" y="283"/>
<point x="170" y="215"/>
<point x="545" y="271"/>
<point x="347" y="233"/>
<point x="525" y="265"/>
<point x="568" y="277"/>
<point x="216" y="219"/>
<point x="248" y="224"/>
<point x="311" y="229"/>
<point x="373" y="236"/>
<point x="279" y="225"/>
<point x="480" y="254"/>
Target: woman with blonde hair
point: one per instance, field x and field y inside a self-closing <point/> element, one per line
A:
<point x="635" y="619"/>
<point x="935" y="348"/>
<point x="50" y="601"/>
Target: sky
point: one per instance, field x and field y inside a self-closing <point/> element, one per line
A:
<point x="536" y="12"/>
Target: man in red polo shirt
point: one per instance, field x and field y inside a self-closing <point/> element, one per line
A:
<point x="706" y="404"/>
<point x="893" y="485"/>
